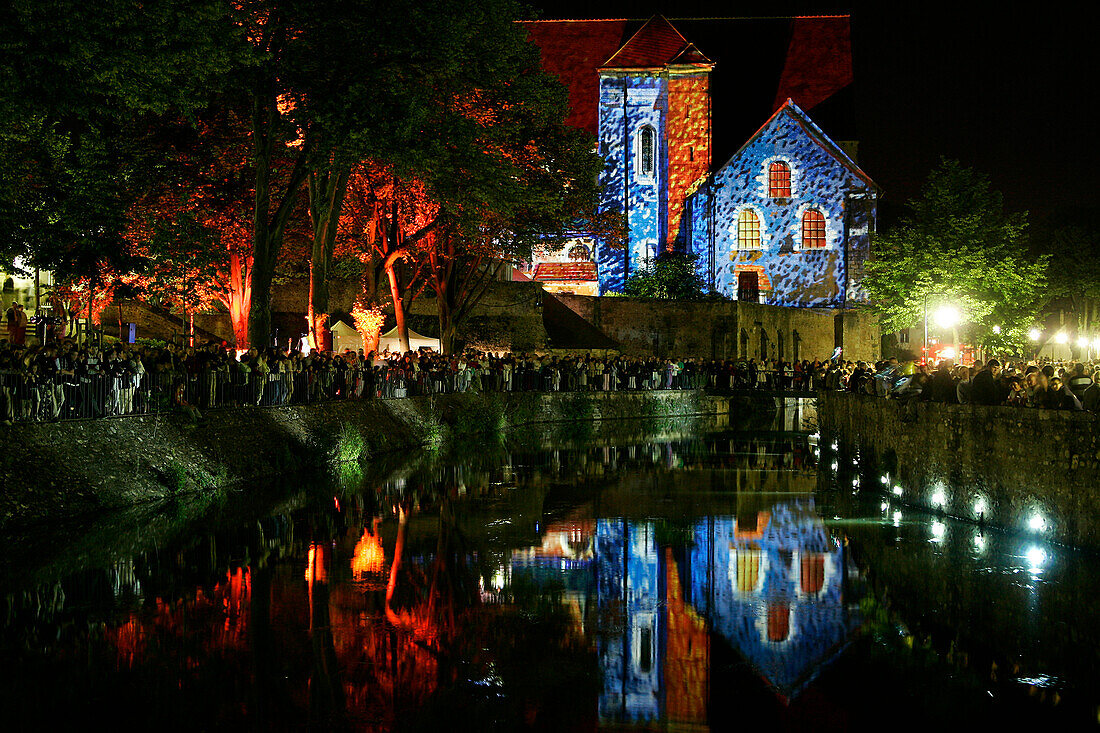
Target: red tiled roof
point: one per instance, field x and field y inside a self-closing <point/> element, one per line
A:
<point x="654" y="45"/>
<point x="572" y="50"/>
<point x="819" y="61"/>
<point x="548" y="271"/>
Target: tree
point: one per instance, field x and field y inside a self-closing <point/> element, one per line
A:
<point x="958" y="245"/>
<point x="71" y="167"/>
<point x="1070" y="238"/>
<point x="672" y="276"/>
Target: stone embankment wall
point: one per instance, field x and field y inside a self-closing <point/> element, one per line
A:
<point x="727" y="329"/>
<point x="64" y="469"/>
<point x="1008" y="467"/>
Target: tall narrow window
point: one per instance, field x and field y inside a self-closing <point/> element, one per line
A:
<point x="779" y="180"/>
<point x="813" y="229"/>
<point x="647" y="152"/>
<point x="748" y="230"/>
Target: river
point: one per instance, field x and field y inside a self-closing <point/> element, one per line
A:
<point x="692" y="578"/>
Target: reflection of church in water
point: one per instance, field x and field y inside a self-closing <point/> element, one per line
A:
<point x="769" y="585"/>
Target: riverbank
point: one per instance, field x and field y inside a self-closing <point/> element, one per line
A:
<point x="58" y="470"/>
<point x="1023" y="470"/>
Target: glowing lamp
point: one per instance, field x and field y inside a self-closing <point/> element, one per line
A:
<point x="1096" y="343"/>
<point x="897" y="491"/>
<point x="1036" y="523"/>
<point x="1061" y="338"/>
<point x="939" y="499"/>
<point x="996" y="329"/>
<point x="1034" y="334"/>
<point x="947" y="316"/>
<point x="1083" y="342"/>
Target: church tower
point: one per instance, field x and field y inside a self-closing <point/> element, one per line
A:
<point x="655" y="134"/>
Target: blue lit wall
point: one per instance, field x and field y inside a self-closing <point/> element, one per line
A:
<point x="627" y="103"/>
<point x="818" y="623"/>
<point x="629" y="581"/>
<point x="821" y="178"/>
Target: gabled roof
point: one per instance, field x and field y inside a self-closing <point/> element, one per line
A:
<point x="655" y="45"/>
<point x="792" y="110"/>
<point x="808" y="55"/>
<point x="691" y="56"/>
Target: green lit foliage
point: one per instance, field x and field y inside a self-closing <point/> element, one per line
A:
<point x="959" y="246"/>
<point x="671" y="276"/>
<point x="1070" y="237"/>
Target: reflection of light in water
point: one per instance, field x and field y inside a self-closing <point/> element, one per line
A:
<point x="1036" y="523"/>
<point x="939" y="498"/>
<point x="897" y="491"/>
<point x="498" y="578"/>
<point x="979" y="542"/>
<point x="897" y="518"/>
<point x="368" y="556"/>
<point x="1036" y="559"/>
<point x="939" y="529"/>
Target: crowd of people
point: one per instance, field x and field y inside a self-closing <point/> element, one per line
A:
<point x="66" y="380"/>
<point x="1050" y="385"/>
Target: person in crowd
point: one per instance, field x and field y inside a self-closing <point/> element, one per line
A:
<point x="985" y="388"/>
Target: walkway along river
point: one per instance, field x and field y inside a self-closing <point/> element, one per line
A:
<point x="679" y="574"/>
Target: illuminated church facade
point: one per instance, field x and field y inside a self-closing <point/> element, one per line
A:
<point x="785" y="221"/>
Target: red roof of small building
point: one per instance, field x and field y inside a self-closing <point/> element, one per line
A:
<point x="572" y="271"/>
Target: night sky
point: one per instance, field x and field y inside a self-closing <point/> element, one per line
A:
<point x="1009" y="93"/>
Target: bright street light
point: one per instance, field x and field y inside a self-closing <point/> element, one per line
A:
<point x="947" y="316"/>
<point x="1035" y="334"/>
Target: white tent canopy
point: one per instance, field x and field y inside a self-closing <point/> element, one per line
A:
<point x="390" y="340"/>
<point x="346" y="337"/>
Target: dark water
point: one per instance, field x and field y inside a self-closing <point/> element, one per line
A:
<point x="692" y="579"/>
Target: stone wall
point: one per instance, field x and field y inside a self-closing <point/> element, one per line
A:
<point x="1001" y="465"/>
<point x="726" y="329"/>
<point x="68" y="468"/>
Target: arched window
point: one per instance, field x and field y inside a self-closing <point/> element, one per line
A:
<point x="813" y="229"/>
<point x="647" y="151"/>
<point x="748" y="230"/>
<point x="579" y="252"/>
<point x="779" y="180"/>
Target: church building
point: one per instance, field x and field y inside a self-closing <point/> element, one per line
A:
<point x="785" y="221"/>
